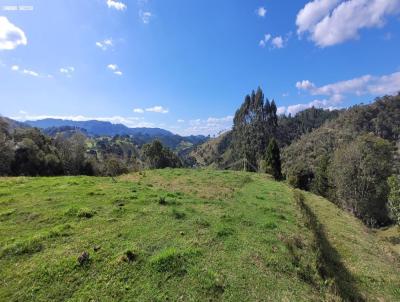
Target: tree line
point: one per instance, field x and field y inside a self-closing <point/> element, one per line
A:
<point x="29" y="152"/>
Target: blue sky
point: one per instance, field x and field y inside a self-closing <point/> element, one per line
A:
<point x="187" y="65"/>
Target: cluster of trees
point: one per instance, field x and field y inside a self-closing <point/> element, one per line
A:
<point x="157" y="156"/>
<point x="349" y="159"/>
<point x="26" y="151"/>
<point x="29" y="152"/>
<point x="254" y="124"/>
<point x="224" y="151"/>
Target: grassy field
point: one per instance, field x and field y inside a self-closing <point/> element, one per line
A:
<point x="184" y="235"/>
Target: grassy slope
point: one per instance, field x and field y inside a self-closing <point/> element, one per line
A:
<point x="372" y="264"/>
<point x="220" y="236"/>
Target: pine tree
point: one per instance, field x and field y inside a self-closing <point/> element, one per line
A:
<point x="273" y="159"/>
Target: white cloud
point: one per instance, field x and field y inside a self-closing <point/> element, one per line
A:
<point x="367" y="84"/>
<point x="145" y="16"/>
<point x="207" y="126"/>
<point x="157" y="109"/>
<point x="116" y="5"/>
<point x="261" y="12"/>
<point x="112" y="67"/>
<point x="138" y="110"/>
<point x="356" y="86"/>
<point x="115" y="69"/>
<point x="105" y="44"/>
<point x="180" y="121"/>
<point x="330" y="104"/>
<point x="336" y="92"/>
<point x="312" y="13"/>
<point x="277" y="42"/>
<point x="305" y="85"/>
<point x="26" y="71"/>
<point x="11" y="36"/>
<point x="265" y="40"/>
<point x="331" y="22"/>
<point x="67" y="70"/>
<point x="30" y="72"/>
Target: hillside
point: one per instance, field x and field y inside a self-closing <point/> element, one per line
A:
<point x="184" y="235"/>
<point x="101" y="128"/>
<point x="381" y="118"/>
<point x="12" y="124"/>
<point x="214" y="152"/>
<point x="221" y="153"/>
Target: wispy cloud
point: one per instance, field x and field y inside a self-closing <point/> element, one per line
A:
<point x="11" y="36"/>
<point x="29" y="72"/>
<point x="157" y="109"/>
<point x="145" y="16"/>
<point x="265" y="40"/>
<point x="331" y="22"/>
<point x="138" y="110"/>
<point x="105" y="44"/>
<point x="211" y="125"/>
<point x="67" y="71"/>
<point x="116" y="5"/>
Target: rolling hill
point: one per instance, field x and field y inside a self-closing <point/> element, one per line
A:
<point x="185" y="235"/>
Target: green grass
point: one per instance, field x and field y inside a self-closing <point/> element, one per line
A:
<point x="177" y="235"/>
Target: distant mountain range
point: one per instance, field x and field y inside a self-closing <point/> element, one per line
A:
<point x="99" y="128"/>
<point x="95" y="128"/>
